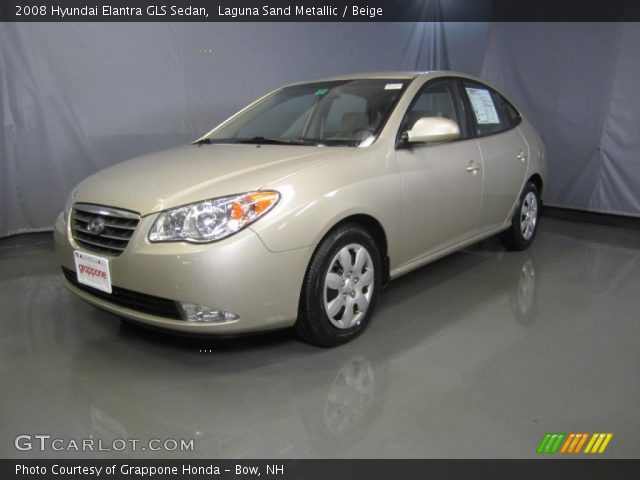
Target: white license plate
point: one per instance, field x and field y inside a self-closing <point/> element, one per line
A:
<point x="93" y="271"/>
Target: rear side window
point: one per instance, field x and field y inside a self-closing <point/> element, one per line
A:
<point x="513" y="116"/>
<point x="492" y="113"/>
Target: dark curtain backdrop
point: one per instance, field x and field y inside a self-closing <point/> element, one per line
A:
<point x="578" y="84"/>
<point x="76" y="98"/>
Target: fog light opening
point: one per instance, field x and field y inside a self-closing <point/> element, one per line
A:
<point x="202" y="314"/>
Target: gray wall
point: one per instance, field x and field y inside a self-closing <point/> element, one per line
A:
<point x="76" y="98"/>
<point x="578" y="83"/>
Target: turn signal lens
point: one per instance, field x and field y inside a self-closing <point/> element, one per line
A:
<point x="253" y="204"/>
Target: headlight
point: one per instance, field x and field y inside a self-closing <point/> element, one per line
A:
<point x="212" y="220"/>
<point x="68" y="205"/>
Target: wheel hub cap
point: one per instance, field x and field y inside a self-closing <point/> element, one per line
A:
<point x="348" y="286"/>
<point x="528" y="215"/>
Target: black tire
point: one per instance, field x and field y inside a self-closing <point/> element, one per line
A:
<point x="313" y="324"/>
<point x="513" y="238"/>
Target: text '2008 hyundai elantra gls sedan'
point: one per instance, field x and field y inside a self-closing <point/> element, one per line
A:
<point x="297" y="210"/>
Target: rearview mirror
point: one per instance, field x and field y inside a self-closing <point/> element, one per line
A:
<point x="433" y="129"/>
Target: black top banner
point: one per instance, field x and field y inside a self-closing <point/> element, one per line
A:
<point x="319" y="11"/>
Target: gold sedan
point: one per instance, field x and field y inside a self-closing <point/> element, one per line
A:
<point x="299" y="208"/>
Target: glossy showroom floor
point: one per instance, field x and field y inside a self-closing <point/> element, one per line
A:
<point x="477" y="355"/>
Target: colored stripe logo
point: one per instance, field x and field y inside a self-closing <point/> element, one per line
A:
<point x="574" y="443"/>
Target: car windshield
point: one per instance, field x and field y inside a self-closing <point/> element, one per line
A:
<point x="350" y="113"/>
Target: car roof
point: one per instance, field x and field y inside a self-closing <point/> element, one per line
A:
<point x="392" y="75"/>
<point x="363" y="76"/>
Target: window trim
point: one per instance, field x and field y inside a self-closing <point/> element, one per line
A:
<point x="461" y="108"/>
<point x="492" y="91"/>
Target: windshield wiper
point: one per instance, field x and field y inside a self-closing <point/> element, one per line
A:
<point x="259" y="141"/>
<point x="209" y="141"/>
<point x="274" y="141"/>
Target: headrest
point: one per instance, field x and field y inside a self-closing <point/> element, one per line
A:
<point x="352" y="121"/>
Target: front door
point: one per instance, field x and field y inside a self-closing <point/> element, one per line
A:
<point x="441" y="183"/>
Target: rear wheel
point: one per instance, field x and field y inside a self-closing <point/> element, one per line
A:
<point x="524" y="223"/>
<point x="341" y="287"/>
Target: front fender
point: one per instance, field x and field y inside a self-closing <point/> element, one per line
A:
<point x="314" y="200"/>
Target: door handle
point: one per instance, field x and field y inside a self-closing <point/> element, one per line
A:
<point x="473" y="166"/>
<point x="521" y="156"/>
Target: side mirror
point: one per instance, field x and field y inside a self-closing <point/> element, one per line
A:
<point x="433" y="129"/>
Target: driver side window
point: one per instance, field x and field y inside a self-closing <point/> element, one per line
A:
<point x="439" y="98"/>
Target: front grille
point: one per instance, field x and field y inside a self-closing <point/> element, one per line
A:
<point x="102" y="229"/>
<point x="140" y="302"/>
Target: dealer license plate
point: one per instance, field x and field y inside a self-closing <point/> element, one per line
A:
<point x="93" y="271"/>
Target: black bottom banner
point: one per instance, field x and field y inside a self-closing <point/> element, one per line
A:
<point x="319" y="469"/>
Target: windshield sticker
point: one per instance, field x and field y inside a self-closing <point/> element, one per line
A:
<point x="483" y="107"/>
<point x="393" y="86"/>
<point x="321" y="91"/>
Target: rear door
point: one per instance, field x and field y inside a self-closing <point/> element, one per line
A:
<point x="441" y="183"/>
<point x="505" y="154"/>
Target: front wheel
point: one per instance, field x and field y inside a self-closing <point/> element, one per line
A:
<point x="524" y="223"/>
<point x="341" y="287"/>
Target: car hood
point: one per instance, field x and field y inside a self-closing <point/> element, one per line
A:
<point x="191" y="173"/>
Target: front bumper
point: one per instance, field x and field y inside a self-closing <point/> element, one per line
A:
<point x="238" y="274"/>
